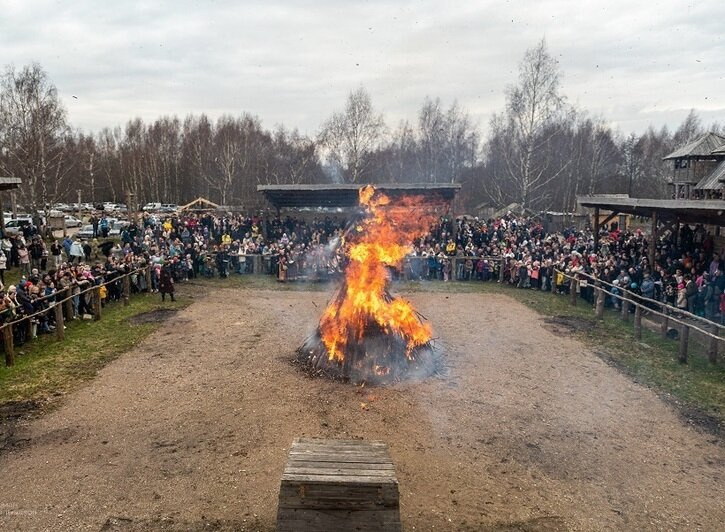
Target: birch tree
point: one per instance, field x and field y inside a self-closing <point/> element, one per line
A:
<point x="534" y="114"/>
<point x="35" y="135"/>
<point x="351" y="136"/>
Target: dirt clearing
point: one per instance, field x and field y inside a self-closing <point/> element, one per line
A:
<point x="528" y="430"/>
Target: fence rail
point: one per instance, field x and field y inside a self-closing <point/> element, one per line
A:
<point x="641" y="305"/>
<point x="62" y="307"/>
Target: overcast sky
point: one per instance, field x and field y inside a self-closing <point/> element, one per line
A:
<point x="631" y="62"/>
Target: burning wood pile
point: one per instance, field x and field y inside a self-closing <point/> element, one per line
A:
<point x="366" y="334"/>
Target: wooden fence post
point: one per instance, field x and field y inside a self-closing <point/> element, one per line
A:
<point x="638" y="322"/>
<point x="684" y="336"/>
<point x="712" y="351"/>
<point x="553" y="281"/>
<point x="8" y="341"/>
<point x="68" y="303"/>
<point x="59" y="322"/>
<point x="147" y="273"/>
<point x="126" y="290"/>
<point x="29" y="329"/>
<point x="625" y="306"/>
<point x="664" y="324"/>
<point x="96" y="297"/>
<point x="572" y="291"/>
<point x="600" y="301"/>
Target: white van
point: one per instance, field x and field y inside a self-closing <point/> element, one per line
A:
<point x="151" y="207"/>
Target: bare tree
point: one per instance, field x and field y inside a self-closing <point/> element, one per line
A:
<point x="535" y="113"/>
<point x="197" y="158"/>
<point x="351" y="136"/>
<point x="34" y="134"/>
<point x="291" y="158"/>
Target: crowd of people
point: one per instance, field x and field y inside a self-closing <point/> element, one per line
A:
<point x="687" y="273"/>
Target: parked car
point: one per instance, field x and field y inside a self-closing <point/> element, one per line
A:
<point x="151" y="207"/>
<point x="23" y="217"/>
<point x="168" y="207"/>
<point x="72" y="221"/>
<point x="15" y="227"/>
<point x="118" y="224"/>
<point x="86" y="232"/>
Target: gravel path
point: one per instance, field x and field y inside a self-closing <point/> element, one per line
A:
<point x="528" y="431"/>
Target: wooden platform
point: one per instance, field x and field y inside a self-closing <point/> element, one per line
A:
<point x="338" y="485"/>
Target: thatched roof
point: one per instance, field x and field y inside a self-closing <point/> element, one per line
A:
<point x="703" y="146"/>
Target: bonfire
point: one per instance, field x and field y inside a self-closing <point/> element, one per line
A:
<point x="366" y="334"/>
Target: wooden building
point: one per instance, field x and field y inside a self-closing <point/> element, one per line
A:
<point x="698" y="168"/>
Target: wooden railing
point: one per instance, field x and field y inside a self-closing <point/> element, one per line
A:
<point x="667" y="313"/>
<point x="62" y="307"/>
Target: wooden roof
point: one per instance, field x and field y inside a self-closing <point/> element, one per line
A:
<point x="199" y="204"/>
<point x="9" y="183"/>
<point x="703" y="146"/>
<point x="346" y="195"/>
<point x="720" y="150"/>
<point x="714" y="180"/>
<point x="688" y="211"/>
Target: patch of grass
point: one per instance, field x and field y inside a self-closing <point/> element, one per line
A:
<point x="45" y="367"/>
<point x="12" y="277"/>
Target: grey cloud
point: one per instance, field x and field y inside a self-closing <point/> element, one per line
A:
<point x="294" y="62"/>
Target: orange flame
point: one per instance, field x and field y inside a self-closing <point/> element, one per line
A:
<point x="383" y="239"/>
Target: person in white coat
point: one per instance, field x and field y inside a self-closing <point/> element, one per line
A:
<point x="76" y="251"/>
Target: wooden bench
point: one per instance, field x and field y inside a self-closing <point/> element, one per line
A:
<point x="338" y="485"/>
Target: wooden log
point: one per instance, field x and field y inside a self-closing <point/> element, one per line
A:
<point x="638" y="322"/>
<point x="126" y="290"/>
<point x="9" y="345"/>
<point x="29" y="329"/>
<point x="625" y="307"/>
<point x="59" y="322"/>
<point x="684" y="336"/>
<point x="600" y="302"/>
<point x="96" y="295"/>
<point x="712" y="350"/>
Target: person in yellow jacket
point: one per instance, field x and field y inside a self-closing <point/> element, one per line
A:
<point x="103" y="292"/>
<point x="226" y="239"/>
<point x="451" y="248"/>
<point x="559" y="280"/>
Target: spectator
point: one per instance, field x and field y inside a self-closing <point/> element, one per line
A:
<point x="166" y="283"/>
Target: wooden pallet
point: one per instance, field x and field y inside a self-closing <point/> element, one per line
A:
<point x="338" y="485"/>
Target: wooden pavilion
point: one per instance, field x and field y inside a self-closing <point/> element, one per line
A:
<point x="7" y="183"/>
<point x="199" y="205"/>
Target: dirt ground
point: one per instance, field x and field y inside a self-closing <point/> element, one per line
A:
<point x="528" y="430"/>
